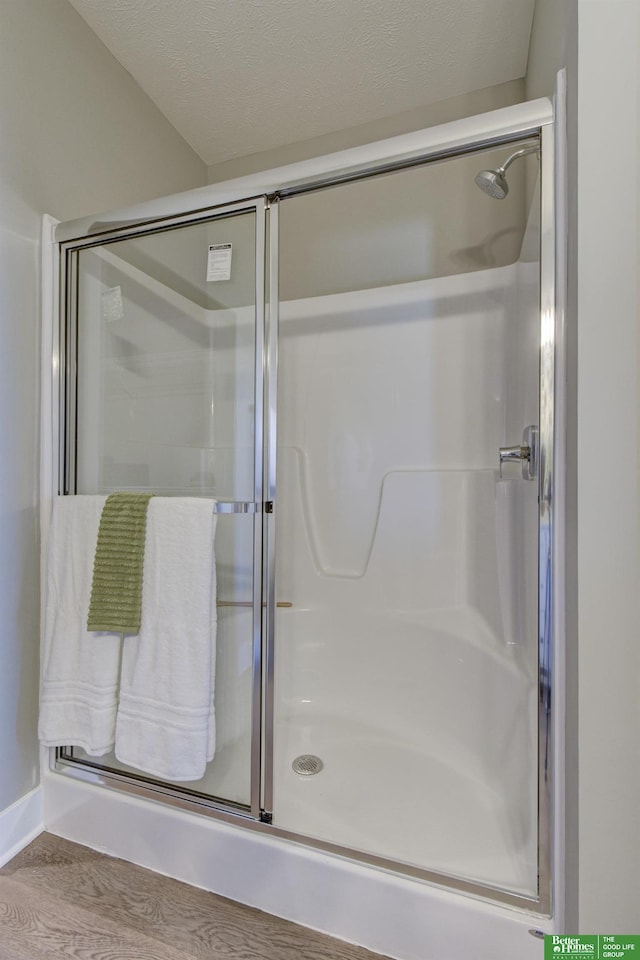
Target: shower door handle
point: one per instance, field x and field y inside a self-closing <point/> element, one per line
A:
<point x="525" y="453"/>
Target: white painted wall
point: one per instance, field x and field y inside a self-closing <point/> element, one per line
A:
<point x="429" y="222"/>
<point x="551" y="37"/>
<point x="608" y="462"/>
<point x="78" y="135"/>
<point x="453" y="108"/>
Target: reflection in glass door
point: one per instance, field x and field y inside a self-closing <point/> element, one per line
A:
<point x="163" y="395"/>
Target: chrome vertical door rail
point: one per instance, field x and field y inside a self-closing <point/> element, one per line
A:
<point x="256" y="678"/>
<point x="547" y="519"/>
<point x="562" y="834"/>
<point x="68" y="373"/>
<point x="271" y="411"/>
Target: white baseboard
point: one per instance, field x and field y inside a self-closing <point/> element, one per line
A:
<point x="20" y="823"/>
<point x="389" y="914"/>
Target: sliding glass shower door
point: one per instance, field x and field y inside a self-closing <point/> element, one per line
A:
<point x="164" y="395"/>
<point x="406" y="654"/>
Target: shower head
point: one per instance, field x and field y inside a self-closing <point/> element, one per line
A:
<point x="494" y="182"/>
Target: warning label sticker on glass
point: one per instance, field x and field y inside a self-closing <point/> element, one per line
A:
<point x="219" y="262"/>
<point x="112" y="308"/>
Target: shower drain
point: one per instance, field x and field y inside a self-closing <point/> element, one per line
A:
<point x="307" y="764"/>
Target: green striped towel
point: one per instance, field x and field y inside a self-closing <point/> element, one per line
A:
<point x="116" y="590"/>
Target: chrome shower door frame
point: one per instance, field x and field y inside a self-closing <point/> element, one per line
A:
<point x="506" y="127"/>
<point x="66" y="466"/>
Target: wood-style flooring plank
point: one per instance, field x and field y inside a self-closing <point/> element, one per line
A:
<point x="59" y="899"/>
<point x="34" y="927"/>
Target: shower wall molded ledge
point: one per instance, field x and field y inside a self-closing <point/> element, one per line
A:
<point x="403" y="918"/>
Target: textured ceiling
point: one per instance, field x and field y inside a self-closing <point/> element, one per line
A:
<point x="235" y="77"/>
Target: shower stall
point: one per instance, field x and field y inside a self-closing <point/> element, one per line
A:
<point x="355" y="358"/>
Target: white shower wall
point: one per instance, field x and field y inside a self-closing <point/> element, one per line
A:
<point x="408" y="660"/>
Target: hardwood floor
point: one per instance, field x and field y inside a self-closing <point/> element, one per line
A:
<point x="59" y="899"/>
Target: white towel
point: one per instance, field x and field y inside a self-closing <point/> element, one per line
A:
<point x="78" y="698"/>
<point x="166" y="718"/>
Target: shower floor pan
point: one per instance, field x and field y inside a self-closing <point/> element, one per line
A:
<point x="431" y="767"/>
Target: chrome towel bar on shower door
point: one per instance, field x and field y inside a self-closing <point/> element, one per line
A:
<point x="237" y="506"/>
<point x="249" y="603"/>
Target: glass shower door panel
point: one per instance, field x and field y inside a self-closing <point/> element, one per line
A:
<point x="166" y="404"/>
<point x="406" y="662"/>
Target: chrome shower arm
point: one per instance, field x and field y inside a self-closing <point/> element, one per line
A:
<point x="525" y="151"/>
